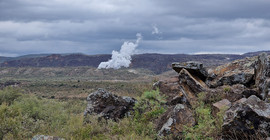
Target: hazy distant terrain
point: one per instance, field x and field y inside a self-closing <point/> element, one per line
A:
<point x="157" y="63"/>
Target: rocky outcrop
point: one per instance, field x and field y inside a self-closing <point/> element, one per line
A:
<point x="220" y="105"/>
<point x="190" y="85"/>
<point x="241" y="88"/>
<point x="182" y="93"/>
<point x="194" y="68"/>
<point x="108" y="105"/>
<point x="237" y="72"/>
<point x="262" y="75"/>
<point x="181" y="89"/>
<point x="248" y="92"/>
<point x="174" y="120"/>
<point x="247" y="117"/>
<point x="170" y="88"/>
<point x="43" y="137"/>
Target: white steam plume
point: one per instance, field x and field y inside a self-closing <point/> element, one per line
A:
<point x="156" y="31"/>
<point x="122" y="58"/>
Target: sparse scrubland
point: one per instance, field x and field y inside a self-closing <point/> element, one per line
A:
<point x="22" y="116"/>
<point x="55" y="106"/>
<point x="227" y="102"/>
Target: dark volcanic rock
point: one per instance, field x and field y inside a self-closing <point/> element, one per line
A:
<point x="194" y="68"/>
<point x="262" y="75"/>
<point x="248" y="92"/>
<point x="220" y="105"/>
<point x="191" y="85"/>
<point x="237" y="72"/>
<point x="240" y="87"/>
<point x="108" y="105"/>
<point x="171" y="89"/>
<point x="173" y="120"/>
<point x="231" y="93"/>
<point x="247" y="117"/>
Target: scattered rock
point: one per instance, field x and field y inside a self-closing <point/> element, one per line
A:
<point x="173" y="120"/>
<point x="43" y="137"/>
<point x="247" y="117"/>
<point x="108" y="105"/>
<point x="194" y="68"/>
<point x="262" y="75"/>
<point x="218" y="106"/>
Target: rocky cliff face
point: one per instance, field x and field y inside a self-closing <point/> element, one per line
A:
<point x="241" y="86"/>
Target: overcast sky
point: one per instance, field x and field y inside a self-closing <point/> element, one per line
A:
<point x="100" y="26"/>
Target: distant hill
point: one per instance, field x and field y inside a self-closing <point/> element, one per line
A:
<point x="250" y="54"/>
<point x="3" y="59"/>
<point x="157" y="63"/>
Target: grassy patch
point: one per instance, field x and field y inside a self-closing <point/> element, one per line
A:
<point x="23" y="116"/>
<point x="208" y="126"/>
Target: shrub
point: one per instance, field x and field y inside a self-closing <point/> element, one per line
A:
<point x="227" y="89"/>
<point x="8" y="95"/>
<point x="207" y="126"/>
<point x="49" y="111"/>
<point x="10" y="121"/>
<point x="149" y="106"/>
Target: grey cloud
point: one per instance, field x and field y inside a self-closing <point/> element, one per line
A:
<point x="218" y="8"/>
<point x="94" y="26"/>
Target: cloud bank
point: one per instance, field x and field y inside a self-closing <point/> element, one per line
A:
<point x="98" y="27"/>
<point x="123" y="57"/>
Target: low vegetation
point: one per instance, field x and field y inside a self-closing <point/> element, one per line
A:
<point x="22" y="116"/>
<point x="208" y="126"/>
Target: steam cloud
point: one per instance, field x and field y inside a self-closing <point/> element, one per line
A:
<point x="156" y="31"/>
<point x="122" y="58"/>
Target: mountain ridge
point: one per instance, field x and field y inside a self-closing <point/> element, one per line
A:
<point x="155" y="62"/>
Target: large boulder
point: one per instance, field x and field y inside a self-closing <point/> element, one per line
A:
<point x="170" y="88"/>
<point x="262" y="75"/>
<point x="108" y="105"/>
<point x="174" y="120"/>
<point x="191" y="85"/>
<point x="220" y="106"/>
<point x="237" y="72"/>
<point x="247" y="117"/>
<point x="194" y="68"/>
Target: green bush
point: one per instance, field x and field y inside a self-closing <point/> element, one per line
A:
<point x="50" y="113"/>
<point x="10" y="121"/>
<point x="8" y="95"/>
<point x="149" y="106"/>
<point x="207" y="127"/>
<point x="227" y="89"/>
